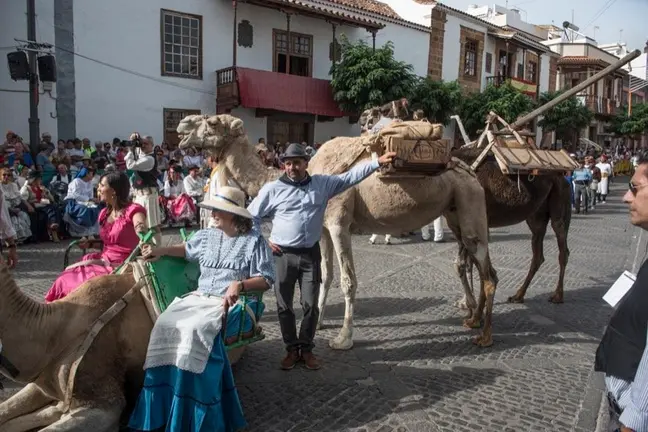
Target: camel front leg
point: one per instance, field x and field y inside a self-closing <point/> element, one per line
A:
<point x="27" y="400"/>
<point x="326" y="247"/>
<point x="560" y="226"/>
<point x="461" y="267"/>
<point x="35" y="420"/>
<point x="96" y="419"/>
<point x="538" y="226"/>
<point x="341" y="239"/>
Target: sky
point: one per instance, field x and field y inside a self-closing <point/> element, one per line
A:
<point x="617" y="20"/>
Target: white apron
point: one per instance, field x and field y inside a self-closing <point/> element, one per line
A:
<point x="606" y="173"/>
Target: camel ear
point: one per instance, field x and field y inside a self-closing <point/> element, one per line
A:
<point x="236" y="127"/>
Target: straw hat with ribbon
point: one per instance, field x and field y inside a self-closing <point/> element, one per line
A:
<point x="228" y="199"/>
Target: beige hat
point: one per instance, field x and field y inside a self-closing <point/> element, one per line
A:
<point x="228" y="199"/>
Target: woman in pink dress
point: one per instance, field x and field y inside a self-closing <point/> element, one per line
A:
<point x="119" y="223"/>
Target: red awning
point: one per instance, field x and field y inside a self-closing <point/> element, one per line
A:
<point x="284" y="92"/>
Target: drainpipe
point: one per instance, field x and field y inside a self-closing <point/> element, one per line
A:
<point x="234" y="44"/>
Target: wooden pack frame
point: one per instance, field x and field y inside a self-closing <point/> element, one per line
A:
<point x="516" y="155"/>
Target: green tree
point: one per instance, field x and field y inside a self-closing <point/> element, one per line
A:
<point x="438" y="99"/>
<point x="504" y="100"/>
<point x="631" y="126"/>
<point x="365" y="78"/>
<point x="567" y="118"/>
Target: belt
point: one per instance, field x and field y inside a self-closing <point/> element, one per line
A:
<point x="614" y="406"/>
<point x="580" y="182"/>
<point x="299" y="250"/>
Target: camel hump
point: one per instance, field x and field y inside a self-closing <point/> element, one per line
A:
<point x="413" y="130"/>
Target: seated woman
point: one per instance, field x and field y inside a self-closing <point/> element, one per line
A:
<point x="178" y="206"/>
<point x="189" y="385"/>
<point x="18" y="209"/>
<point x="120" y="222"/>
<point x="81" y="210"/>
<point x="46" y="215"/>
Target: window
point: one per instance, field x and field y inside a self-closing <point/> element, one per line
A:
<point x="532" y="71"/>
<point x="301" y="53"/>
<point x="172" y="118"/>
<point x="489" y="63"/>
<point x="181" y="44"/>
<point x="470" y="58"/>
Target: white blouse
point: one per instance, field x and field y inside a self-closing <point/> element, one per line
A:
<point x="173" y="190"/>
<point x="80" y="190"/>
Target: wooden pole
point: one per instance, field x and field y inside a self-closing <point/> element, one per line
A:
<point x="573" y="91"/>
<point x="234" y="44"/>
<point x="289" y="37"/>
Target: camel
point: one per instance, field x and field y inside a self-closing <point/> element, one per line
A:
<point x="39" y="344"/>
<point x="537" y="200"/>
<point x="376" y="206"/>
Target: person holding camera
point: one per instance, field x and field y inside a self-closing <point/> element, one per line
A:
<point x="141" y="160"/>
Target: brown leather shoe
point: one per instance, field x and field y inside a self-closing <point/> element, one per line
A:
<point x="290" y="360"/>
<point x="310" y="361"/>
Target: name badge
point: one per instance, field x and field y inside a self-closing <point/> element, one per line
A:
<point x="620" y="288"/>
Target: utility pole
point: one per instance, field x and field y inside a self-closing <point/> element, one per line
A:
<point x="34" y="122"/>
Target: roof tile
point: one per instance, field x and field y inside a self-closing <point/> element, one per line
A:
<point x="374" y="6"/>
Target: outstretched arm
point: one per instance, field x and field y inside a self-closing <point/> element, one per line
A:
<point x="336" y="184"/>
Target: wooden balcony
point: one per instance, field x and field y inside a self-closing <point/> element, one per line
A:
<point x="262" y="89"/>
<point x="601" y="105"/>
<point x="527" y="87"/>
<point x="227" y="95"/>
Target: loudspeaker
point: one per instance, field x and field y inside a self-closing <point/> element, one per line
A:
<point x="18" y="65"/>
<point x="47" y="68"/>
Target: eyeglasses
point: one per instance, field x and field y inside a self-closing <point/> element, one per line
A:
<point x="634" y="188"/>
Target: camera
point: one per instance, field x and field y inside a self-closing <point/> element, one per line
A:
<point x="133" y="143"/>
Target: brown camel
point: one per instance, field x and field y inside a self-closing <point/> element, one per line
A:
<point x="509" y="201"/>
<point x="40" y="341"/>
<point x="375" y="205"/>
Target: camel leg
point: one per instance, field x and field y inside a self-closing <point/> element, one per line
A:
<point x="538" y="225"/>
<point x="474" y="237"/>
<point x="560" y="213"/>
<point x="467" y="302"/>
<point x="341" y="239"/>
<point x="27" y="400"/>
<point x="96" y="419"/>
<point x="36" y="420"/>
<point x="326" y="246"/>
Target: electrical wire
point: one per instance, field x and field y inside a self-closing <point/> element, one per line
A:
<point x="600" y="13"/>
<point x="135" y="73"/>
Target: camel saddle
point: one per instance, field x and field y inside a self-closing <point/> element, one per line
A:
<point x="419" y="146"/>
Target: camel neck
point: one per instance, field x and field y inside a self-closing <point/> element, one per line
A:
<point x="246" y="168"/>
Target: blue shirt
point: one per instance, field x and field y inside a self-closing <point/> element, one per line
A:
<point x="632" y="397"/>
<point x="582" y="174"/>
<point x="297" y="212"/>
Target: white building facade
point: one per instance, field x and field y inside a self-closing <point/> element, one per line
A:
<point x="128" y="66"/>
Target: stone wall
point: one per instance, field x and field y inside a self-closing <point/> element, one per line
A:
<point x="469" y="83"/>
<point x="437" y="33"/>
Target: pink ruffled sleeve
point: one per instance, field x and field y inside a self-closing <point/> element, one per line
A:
<point x="133" y="209"/>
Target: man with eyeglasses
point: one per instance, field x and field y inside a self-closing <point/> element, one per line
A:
<point x="622" y="354"/>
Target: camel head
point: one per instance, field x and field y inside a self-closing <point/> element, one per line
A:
<point x="394" y="110"/>
<point x="211" y="133"/>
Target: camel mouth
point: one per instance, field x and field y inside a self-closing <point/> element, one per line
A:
<point x="185" y="141"/>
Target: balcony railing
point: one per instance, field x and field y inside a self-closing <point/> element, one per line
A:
<point x="227" y="96"/>
<point x="601" y="105"/>
<point x="527" y="87"/>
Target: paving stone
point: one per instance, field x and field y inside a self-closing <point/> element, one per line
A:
<point x="413" y="366"/>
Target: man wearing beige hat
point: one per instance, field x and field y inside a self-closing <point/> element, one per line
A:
<point x="296" y="203"/>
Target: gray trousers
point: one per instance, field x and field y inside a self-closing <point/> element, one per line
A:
<point x="301" y="266"/>
<point x="580" y="195"/>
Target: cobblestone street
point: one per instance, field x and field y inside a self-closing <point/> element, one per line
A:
<point x="413" y="366"/>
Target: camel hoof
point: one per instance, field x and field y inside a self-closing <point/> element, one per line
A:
<point x="483" y="341"/>
<point x="472" y="323"/>
<point x="341" y="343"/>
<point x="516" y="299"/>
<point x="556" y="299"/>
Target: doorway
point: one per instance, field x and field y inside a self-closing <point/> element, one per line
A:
<point x="289" y="130"/>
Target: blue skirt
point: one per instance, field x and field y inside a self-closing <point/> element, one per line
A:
<point x="179" y="401"/>
<point x="80" y="214"/>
